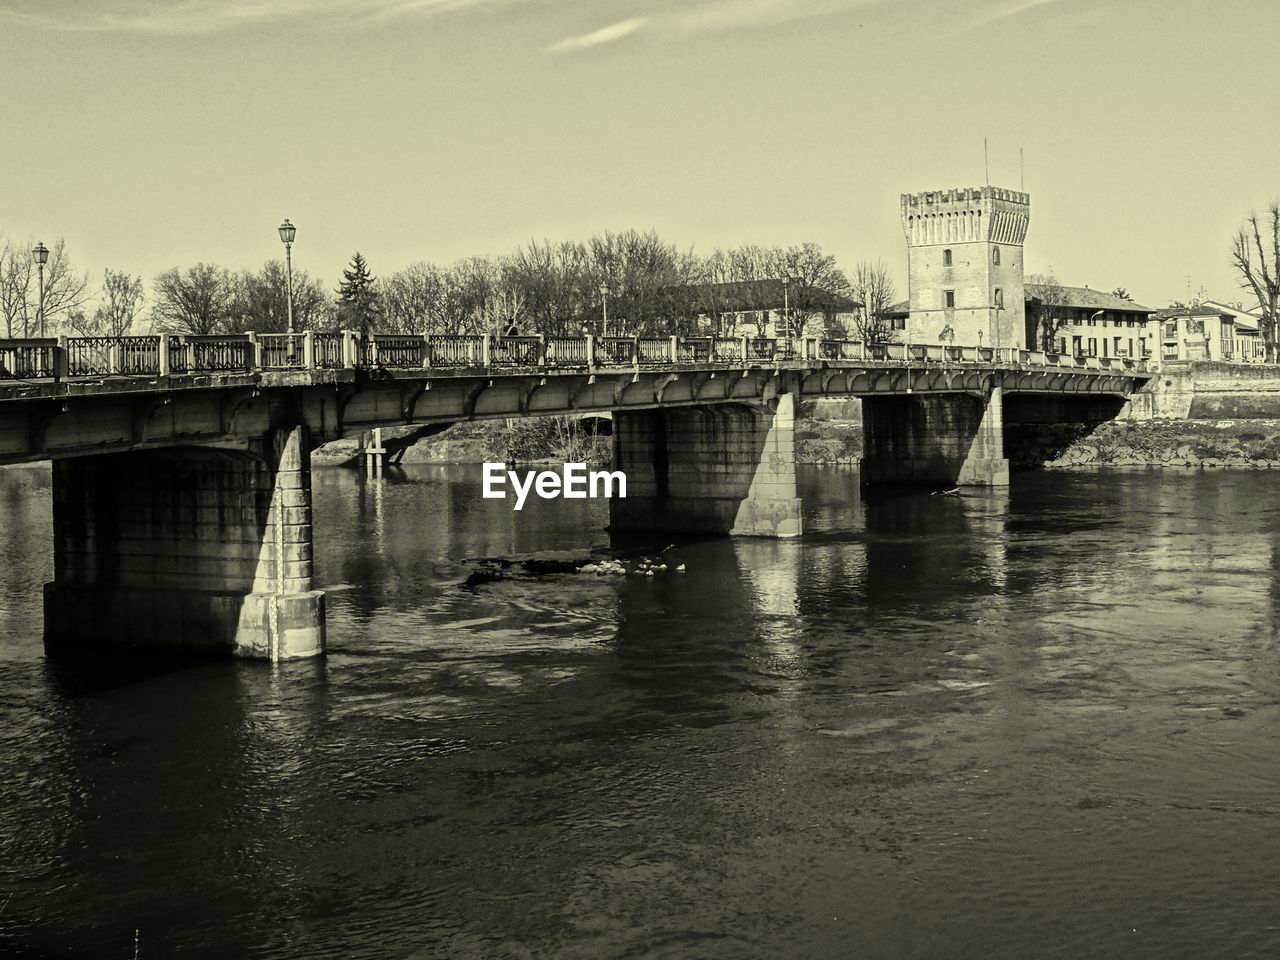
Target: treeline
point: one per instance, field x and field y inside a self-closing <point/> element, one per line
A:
<point x="627" y="283"/>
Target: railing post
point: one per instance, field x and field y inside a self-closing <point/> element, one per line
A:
<point x="162" y="355"/>
<point x="675" y="350"/>
<point x="113" y="357"/>
<point x="61" y="360"/>
<point x="591" y="351"/>
<point x="309" y="350"/>
<point x="484" y="350"/>
<point x="426" y="351"/>
<point x="350" y="358"/>
<point x="252" y="359"/>
<point x="635" y="352"/>
<point x="542" y="349"/>
<point x="744" y="350"/>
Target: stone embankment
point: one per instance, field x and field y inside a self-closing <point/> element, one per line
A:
<point x="1231" y="444"/>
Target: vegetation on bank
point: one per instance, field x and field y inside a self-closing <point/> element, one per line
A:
<point x="516" y="440"/>
<point x="1238" y="444"/>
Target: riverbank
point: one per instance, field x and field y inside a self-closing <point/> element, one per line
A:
<point x="1233" y="444"/>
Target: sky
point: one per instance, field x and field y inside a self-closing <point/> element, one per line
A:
<point x="160" y="133"/>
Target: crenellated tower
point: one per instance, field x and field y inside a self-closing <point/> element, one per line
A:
<point x="964" y="272"/>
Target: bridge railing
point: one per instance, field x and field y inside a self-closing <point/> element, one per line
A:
<point x="165" y="354"/>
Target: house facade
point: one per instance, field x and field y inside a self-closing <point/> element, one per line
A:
<point x="1211" y="330"/>
<point x="1247" y="329"/>
<point x="1081" y="322"/>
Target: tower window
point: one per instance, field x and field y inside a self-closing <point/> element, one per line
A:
<point x="949" y="297"/>
<point x="946" y="258"/>
<point x="999" y="299"/>
<point x="995" y="255"/>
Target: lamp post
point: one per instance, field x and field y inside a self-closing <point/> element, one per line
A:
<point x="287" y="233"/>
<point x="786" y="304"/>
<point x="604" y="309"/>
<point x="41" y="255"/>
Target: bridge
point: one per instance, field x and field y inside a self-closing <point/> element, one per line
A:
<point x="181" y="464"/>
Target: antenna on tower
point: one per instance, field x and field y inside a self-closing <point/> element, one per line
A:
<point x="986" y="165"/>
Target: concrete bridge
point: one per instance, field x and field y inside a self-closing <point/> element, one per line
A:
<point x="181" y="464"/>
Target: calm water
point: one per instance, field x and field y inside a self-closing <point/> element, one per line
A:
<point x="1036" y="724"/>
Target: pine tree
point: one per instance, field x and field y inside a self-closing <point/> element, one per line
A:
<point x="358" y="302"/>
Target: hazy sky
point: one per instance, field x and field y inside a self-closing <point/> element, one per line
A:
<point x="159" y="133"/>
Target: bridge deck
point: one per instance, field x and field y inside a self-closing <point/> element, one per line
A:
<point x="78" y="365"/>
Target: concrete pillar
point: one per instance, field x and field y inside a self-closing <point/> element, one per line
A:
<point x="720" y="469"/>
<point x="189" y="548"/>
<point x="934" y="439"/>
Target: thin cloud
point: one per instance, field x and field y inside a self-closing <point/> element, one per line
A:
<point x="209" y="16"/>
<point x="596" y="38"/>
<point x="732" y="14"/>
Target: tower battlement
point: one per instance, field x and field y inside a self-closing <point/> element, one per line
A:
<point x="966" y="214"/>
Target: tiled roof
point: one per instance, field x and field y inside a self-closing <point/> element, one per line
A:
<point x="1195" y="310"/>
<point x="900" y="309"/>
<point x="1084" y="297"/>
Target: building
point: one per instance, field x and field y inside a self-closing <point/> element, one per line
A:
<point x="1083" y="322"/>
<point x="964" y="265"/>
<point x="761" y="308"/>
<point x="1249" y="346"/>
<point x="1207" y="330"/>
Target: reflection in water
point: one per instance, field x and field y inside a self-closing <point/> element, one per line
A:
<point x="1039" y="722"/>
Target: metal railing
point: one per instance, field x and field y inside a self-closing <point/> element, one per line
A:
<point x="172" y="354"/>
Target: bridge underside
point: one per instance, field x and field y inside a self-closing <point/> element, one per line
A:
<point x="726" y="469"/>
<point x="182" y="517"/>
<point x="953" y="438"/>
<point x="191" y="549"/>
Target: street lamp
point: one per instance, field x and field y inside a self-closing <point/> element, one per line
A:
<point x="604" y="309"/>
<point x="786" y="304"/>
<point x="41" y="255"/>
<point x="287" y="233"/>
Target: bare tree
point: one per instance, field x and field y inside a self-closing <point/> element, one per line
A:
<point x="64" y="288"/>
<point x="1049" y="310"/>
<point x="16" y="273"/>
<point x="260" y="301"/>
<point x="873" y="287"/>
<point x="197" y="301"/>
<point x="122" y="297"/>
<point x="413" y="300"/>
<point x="1255" y="253"/>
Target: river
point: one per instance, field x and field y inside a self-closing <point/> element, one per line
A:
<point x="1037" y="723"/>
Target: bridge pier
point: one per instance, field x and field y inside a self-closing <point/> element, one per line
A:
<point x="186" y="548"/>
<point x="717" y="469"/>
<point x="934" y="439"/>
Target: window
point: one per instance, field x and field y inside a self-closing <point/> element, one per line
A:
<point x="999" y="299"/>
<point x="949" y="297"/>
<point x="1171" y="330"/>
<point x="1077" y="346"/>
<point x="946" y="258"/>
<point x="1195" y="326"/>
<point x="995" y="255"/>
<point x="1093" y="346"/>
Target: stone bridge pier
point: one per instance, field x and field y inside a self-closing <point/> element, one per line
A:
<point x="940" y="438"/>
<point x="717" y="469"/>
<point x="190" y="548"/>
